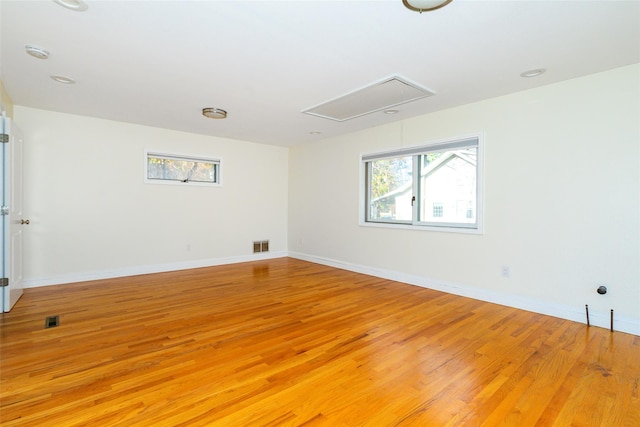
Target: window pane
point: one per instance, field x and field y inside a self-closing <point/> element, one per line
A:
<point x="167" y="168"/>
<point x="448" y="187"/>
<point x="434" y="186"/>
<point x="390" y="189"/>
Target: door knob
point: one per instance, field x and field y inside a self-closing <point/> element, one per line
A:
<point x="24" y="221"/>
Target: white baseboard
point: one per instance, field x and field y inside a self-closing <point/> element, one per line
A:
<point x="147" y="269"/>
<point x="576" y="314"/>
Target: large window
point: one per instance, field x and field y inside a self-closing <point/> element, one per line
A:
<point x="435" y="185"/>
<point x="178" y="169"/>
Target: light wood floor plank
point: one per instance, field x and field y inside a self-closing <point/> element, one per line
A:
<point x="290" y="343"/>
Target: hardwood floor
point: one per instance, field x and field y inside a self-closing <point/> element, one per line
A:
<point x="287" y="342"/>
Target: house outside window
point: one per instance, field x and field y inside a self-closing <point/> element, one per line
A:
<point x="438" y="210"/>
<point x="431" y="186"/>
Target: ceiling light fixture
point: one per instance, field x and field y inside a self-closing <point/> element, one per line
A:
<point x="391" y="111"/>
<point x="37" y="52"/>
<point x="214" y="113"/>
<point x="533" y="73"/>
<point x="425" y="5"/>
<point x="63" y="79"/>
<point x="77" y="5"/>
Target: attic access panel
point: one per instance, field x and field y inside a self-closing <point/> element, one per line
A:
<point x="378" y="96"/>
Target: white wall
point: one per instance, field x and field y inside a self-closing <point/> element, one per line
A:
<point x="562" y="202"/>
<point x="92" y="215"/>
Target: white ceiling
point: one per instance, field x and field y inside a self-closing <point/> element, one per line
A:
<point x="158" y="63"/>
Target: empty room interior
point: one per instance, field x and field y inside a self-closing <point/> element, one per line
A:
<point x="336" y="213"/>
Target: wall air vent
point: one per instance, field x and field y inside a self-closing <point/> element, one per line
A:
<point x="382" y="95"/>
<point x="260" y="246"/>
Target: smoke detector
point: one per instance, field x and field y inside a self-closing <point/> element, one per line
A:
<point x="37" y="52"/>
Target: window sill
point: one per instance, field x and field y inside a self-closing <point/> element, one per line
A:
<point x="182" y="183"/>
<point x="462" y="230"/>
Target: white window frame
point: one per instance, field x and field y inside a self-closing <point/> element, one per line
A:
<point x="477" y="228"/>
<point x="187" y="157"/>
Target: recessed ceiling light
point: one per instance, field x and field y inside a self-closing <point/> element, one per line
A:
<point x="315" y="132"/>
<point x="63" y="79"/>
<point x="214" y="113"/>
<point x="77" y="5"/>
<point x="533" y="73"/>
<point x="37" y="52"/>
<point x="391" y="111"/>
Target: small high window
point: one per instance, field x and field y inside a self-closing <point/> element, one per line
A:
<point x="178" y="169"/>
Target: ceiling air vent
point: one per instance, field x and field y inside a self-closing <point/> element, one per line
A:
<point x="378" y="96"/>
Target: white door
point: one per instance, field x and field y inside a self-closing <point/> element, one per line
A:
<point x="13" y="222"/>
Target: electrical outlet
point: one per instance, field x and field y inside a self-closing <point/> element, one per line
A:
<point x="506" y="271"/>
